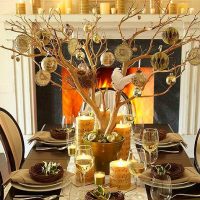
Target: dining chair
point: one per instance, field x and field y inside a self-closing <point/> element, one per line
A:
<point x="12" y="140"/>
<point x="1" y="188"/>
<point x="197" y="152"/>
<point x="109" y="100"/>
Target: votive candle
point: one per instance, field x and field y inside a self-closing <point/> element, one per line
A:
<point x="99" y="178"/>
<point x="172" y="8"/>
<point x="104" y="8"/>
<point x="71" y="150"/>
<point x="40" y="11"/>
<point x="21" y="7"/>
<point x="113" y="11"/>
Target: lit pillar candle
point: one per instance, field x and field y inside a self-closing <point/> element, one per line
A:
<point x="172" y="8"/>
<point x="104" y="8"/>
<point x="83" y="124"/>
<point x="120" y="118"/>
<point x="120" y="176"/>
<point x="68" y="6"/>
<point x="182" y="8"/>
<point x="125" y="131"/>
<point x="61" y="7"/>
<point x="20" y="7"/>
<point x="99" y="178"/>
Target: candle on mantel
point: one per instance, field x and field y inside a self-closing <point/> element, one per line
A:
<point x="68" y="6"/>
<point x="182" y="8"/>
<point x="125" y="131"/>
<point x="105" y="8"/>
<point x="120" y="176"/>
<point x="61" y="7"/>
<point x="120" y="118"/>
<point x="172" y="8"/>
<point x="20" y="7"/>
<point x="83" y="124"/>
<point x="99" y="178"/>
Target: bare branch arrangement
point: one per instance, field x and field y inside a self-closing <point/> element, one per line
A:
<point x="49" y="41"/>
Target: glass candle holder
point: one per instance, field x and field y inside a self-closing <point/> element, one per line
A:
<point x="20" y="7"/>
<point x="99" y="178"/>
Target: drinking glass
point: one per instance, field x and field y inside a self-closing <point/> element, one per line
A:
<point x="153" y="158"/>
<point x="150" y="140"/>
<point x="136" y="166"/>
<point x="161" y="189"/>
<point x="84" y="160"/>
<point x="137" y="128"/>
<point x="68" y="121"/>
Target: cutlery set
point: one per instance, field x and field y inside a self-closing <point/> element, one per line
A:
<point x="29" y="197"/>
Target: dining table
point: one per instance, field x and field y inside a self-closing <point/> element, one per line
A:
<point x="62" y="157"/>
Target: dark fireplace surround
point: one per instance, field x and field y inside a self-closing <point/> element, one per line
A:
<point x="166" y="107"/>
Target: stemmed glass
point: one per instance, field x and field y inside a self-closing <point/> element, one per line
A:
<point x="137" y="165"/>
<point x="150" y="140"/>
<point x="84" y="160"/>
<point x="137" y="128"/>
<point x="161" y="189"/>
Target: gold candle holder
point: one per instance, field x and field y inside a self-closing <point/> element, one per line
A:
<point x="20" y="8"/>
<point x="99" y="178"/>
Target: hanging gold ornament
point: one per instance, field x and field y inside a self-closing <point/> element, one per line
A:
<point x="123" y="53"/>
<point x="80" y="55"/>
<point x="44" y="36"/>
<point x="87" y="27"/>
<point x="73" y="44"/>
<point x="68" y="29"/>
<point x="83" y="66"/>
<point x="171" y="79"/>
<point x="42" y="78"/>
<point x="139" y="78"/>
<point x="170" y="36"/>
<point x="160" y="61"/>
<point x="96" y="38"/>
<point x="194" y="56"/>
<point x="22" y="43"/>
<point x="49" y="64"/>
<point x="107" y="59"/>
<point x="137" y="92"/>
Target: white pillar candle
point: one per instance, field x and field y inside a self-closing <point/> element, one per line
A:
<point x="120" y="176"/>
<point x="191" y="11"/>
<point x="68" y="10"/>
<point x="144" y="11"/>
<point x="40" y="11"/>
<point x="113" y="11"/>
<point x="83" y="124"/>
<point x="104" y="8"/>
<point x="152" y="10"/>
<point x="125" y="131"/>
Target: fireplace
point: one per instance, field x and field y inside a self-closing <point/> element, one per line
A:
<point x="53" y="103"/>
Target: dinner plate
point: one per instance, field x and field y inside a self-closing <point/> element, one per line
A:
<point x="41" y="185"/>
<point x="53" y="143"/>
<point x="40" y="189"/>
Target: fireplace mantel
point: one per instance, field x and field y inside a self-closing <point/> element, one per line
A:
<point x="17" y="87"/>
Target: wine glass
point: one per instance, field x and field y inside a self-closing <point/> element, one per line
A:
<point x="150" y="140"/>
<point x="137" y="165"/>
<point x="161" y="189"/>
<point x="153" y="158"/>
<point x="138" y="127"/>
<point x="68" y="121"/>
<point x="84" y="160"/>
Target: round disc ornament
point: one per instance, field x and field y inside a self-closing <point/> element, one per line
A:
<point x="87" y="27"/>
<point x="139" y="79"/>
<point x="42" y="78"/>
<point x="80" y="55"/>
<point x="194" y="56"/>
<point x="170" y="36"/>
<point x="83" y="67"/>
<point x="49" y="64"/>
<point x="68" y="30"/>
<point x="107" y="59"/>
<point x="123" y="53"/>
<point x="137" y="92"/>
<point x="22" y="43"/>
<point x="160" y="61"/>
<point x="44" y="36"/>
<point x="171" y="79"/>
<point x="72" y="46"/>
<point x="96" y="38"/>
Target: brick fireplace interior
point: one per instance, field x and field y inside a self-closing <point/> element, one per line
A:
<point x="52" y="103"/>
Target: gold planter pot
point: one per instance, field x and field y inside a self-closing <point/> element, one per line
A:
<point x="104" y="153"/>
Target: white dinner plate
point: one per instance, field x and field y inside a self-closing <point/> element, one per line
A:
<point x="40" y="189"/>
<point x="41" y="185"/>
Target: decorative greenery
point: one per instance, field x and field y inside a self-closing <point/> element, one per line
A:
<point x="101" y="193"/>
<point x="50" y="168"/>
<point x="162" y="170"/>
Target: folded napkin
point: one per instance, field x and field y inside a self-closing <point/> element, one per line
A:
<point x="189" y="175"/>
<point x="22" y="176"/>
<point x="44" y="136"/>
<point x="173" y="137"/>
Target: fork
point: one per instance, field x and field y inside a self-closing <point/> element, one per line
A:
<point x="29" y="197"/>
<point x="51" y="148"/>
<point x="186" y="195"/>
<point x="169" y="151"/>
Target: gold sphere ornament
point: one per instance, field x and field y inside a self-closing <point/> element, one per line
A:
<point x="123" y="53"/>
<point x="49" y="64"/>
<point x="44" y="36"/>
<point x="22" y="43"/>
<point x="107" y="59"/>
<point x="17" y="59"/>
<point x="80" y="55"/>
<point x="96" y="38"/>
<point x="68" y="29"/>
<point x="42" y="78"/>
<point x="194" y="56"/>
<point x="73" y="44"/>
<point x="87" y="27"/>
<point x="83" y="66"/>
<point x="170" y="36"/>
<point x="171" y="79"/>
<point x="160" y="61"/>
<point x="139" y="78"/>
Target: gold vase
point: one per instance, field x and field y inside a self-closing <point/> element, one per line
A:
<point x="104" y="153"/>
